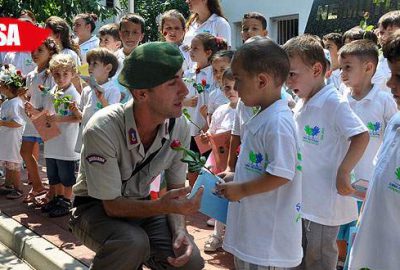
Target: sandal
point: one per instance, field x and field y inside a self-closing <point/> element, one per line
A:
<point x="39" y="201"/>
<point x="14" y="194"/>
<point x="4" y="190"/>
<point x="213" y="243"/>
<point x="33" y="194"/>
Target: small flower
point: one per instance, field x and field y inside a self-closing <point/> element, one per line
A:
<point x="19" y="73"/>
<point x="175" y="144"/>
<point x="204" y="83"/>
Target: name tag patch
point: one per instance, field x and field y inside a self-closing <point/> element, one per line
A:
<point x="96" y="158"/>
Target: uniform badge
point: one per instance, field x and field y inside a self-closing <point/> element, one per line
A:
<point x="132" y="136"/>
<point x="96" y="158"/>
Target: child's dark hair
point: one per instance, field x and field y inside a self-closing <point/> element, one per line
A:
<point x="89" y="19"/>
<point x="308" y="48"/>
<point x="133" y="18"/>
<point x="60" y="27"/>
<point x="223" y="54"/>
<point x="173" y="13"/>
<point x="110" y="29"/>
<point x="213" y="6"/>
<point x="51" y="45"/>
<point x="264" y="55"/>
<point x="336" y="38"/>
<point x="365" y="50"/>
<point x="391" y="49"/>
<point x="26" y="12"/>
<point x="391" y="18"/>
<point x="257" y="16"/>
<point x="104" y="56"/>
<point x="357" y="33"/>
<point x="228" y="75"/>
<point x="212" y="43"/>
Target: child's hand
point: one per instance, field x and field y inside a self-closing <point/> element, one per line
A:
<point x="227" y="176"/>
<point x="343" y="184"/>
<point x="28" y="108"/>
<point x="231" y="191"/>
<point x="204" y="111"/>
<point x="99" y="95"/>
<point x="204" y="137"/>
<point x="190" y="102"/>
<point x="73" y="107"/>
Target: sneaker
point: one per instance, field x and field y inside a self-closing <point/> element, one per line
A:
<point x="211" y="222"/>
<point x="61" y="208"/>
<point x="4" y="190"/>
<point x="213" y="243"/>
<point x="50" y="205"/>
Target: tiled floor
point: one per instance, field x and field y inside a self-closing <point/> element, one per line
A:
<point x="56" y="230"/>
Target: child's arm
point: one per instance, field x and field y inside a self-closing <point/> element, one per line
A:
<point x="236" y="191"/>
<point x="227" y="175"/>
<point x="9" y="124"/>
<point x="357" y="147"/>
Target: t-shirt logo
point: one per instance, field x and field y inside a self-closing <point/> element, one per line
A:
<point x="374" y="129"/>
<point x="28" y="62"/>
<point x="255" y="164"/>
<point x="395" y="185"/>
<point x="313" y="135"/>
<point x="298" y="215"/>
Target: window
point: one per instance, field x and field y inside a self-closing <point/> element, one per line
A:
<point x="286" y="28"/>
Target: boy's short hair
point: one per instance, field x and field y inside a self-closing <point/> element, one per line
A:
<point x="308" y="48"/>
<point x="391" y="49"/>
<point x="257" y="16"/>
<point x="133" y="18"/>
<point x="110" y="29"/>
<point x="336" y="38"/>
<point x="365" y="50"/>
<point x="392" y="18"/>
<point x="62" y="61"/>
<point x="264" y="55"/>
<point x="221" y="54"/>
<point x="228" y="75"/>
<point x="104" y="56"/>
<point x="357" y="33"/>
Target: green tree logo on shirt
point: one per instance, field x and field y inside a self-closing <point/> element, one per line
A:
<point x="398" y="173"/>
<point x="255" y="158"/>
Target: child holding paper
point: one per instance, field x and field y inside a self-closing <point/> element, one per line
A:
<point x="263" y="224"/>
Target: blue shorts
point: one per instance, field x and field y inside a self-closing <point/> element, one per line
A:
<point x="32" y="139"/>
<point x="61" y="172"/>
<point x="344" y="231"/>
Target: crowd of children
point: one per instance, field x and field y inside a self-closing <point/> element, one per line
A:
<point x="316" y="114"/>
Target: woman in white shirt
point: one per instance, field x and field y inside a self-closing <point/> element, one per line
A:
<point x="83" y="27"/>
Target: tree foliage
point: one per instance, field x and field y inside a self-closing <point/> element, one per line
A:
<point x="65" y="9"/>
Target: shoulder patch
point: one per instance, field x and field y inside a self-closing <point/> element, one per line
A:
<point x="96" y="158"/>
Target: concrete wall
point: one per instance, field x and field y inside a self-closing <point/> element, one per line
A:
<point x="272" y="9"/>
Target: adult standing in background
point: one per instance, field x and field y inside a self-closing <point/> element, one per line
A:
<point x="206" y="16"/>
<point x="83" y="27"/>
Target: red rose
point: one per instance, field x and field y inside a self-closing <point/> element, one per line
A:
<point x="41" y="87"/>
<point x="204" y="83"/>
<point x="18" y="72"/>
<point x="175" y="144"/>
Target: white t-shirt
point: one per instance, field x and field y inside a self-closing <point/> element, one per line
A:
<point x="335" y="78"/>
<point x="11" y="138"/>
<point x="382" y="74"/>
<point x="265" y="229"/>
<point x="375" y="110"/>
<point x="377" y="242"/>
<point x="222" y="119"/>
<point x="89" y="105"/>
<point x="74" y="55"/>
<point x="86" y="46"/>
<point x="325" y="124"/>
<point x="242" y="115"/>
<point x="21" y="61"/>
<point x="38" y="98"/>
<point x="207" y="75"/>
<point x="216" y="99"/>
<point x="62" y="147"/>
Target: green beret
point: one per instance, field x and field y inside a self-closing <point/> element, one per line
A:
<point x="150" y="64"/>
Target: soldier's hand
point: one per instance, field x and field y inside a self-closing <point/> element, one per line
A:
<point x="176" y="201"/>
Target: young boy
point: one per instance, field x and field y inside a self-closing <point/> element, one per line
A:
<point x="59" y="151"/>
<point x="102" y="66"/>
<point x="264" y="229"/>
<point x="333" y="42"/>
<point x="253" y="24"/>
<point x="109" y="37"/>
<point x="358" y="60"/>
<point x="377" y="241"/>
<point x="334" y="139"/>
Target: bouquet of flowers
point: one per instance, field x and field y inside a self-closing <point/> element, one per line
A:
<point x="12" y="77"/>
<point x="61" y="102"/>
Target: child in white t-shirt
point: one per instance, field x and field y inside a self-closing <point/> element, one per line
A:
<point x="375" y="107"/>
<point x="83" y="27"/>
<point x="263" y="224"/>
<point x="221" y="121"/>
<point x="333" y="141"/>
<point x="59" y="151"/>
<point x="12" y="123"/>
<point x="333" y="42"/>
<point x="102" y="67"/>
<point x="377" y="241"/>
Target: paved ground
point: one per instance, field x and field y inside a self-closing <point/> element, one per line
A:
<point x="9" y="261"/>
<point x="56" y="230"/>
